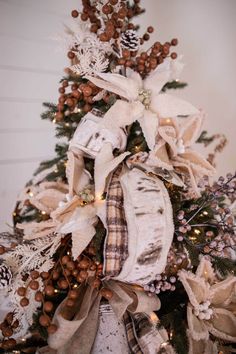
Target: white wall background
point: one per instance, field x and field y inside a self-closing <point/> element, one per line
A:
<point x="31" y="66"/>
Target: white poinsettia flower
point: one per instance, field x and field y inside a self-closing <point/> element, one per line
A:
<point x="142" y="100"/>
<point x="212" y="305"/>
<point x="174" y="148"/>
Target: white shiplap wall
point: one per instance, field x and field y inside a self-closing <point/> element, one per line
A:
<point x="31" y="66"/>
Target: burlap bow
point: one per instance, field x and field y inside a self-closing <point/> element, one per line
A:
<point x="212" y="303"/>
<point x="77" y="326"/>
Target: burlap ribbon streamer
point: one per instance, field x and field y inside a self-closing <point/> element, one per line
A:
<point x="77" y="326"/>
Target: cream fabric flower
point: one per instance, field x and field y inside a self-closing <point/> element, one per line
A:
<point x="212" y="303"/>
<point x="142" y="100"/>
<point x="174" y="148"/>
<point x="201" y="346"/>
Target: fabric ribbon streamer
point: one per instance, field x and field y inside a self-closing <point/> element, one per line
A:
<point x="77" y="326"/>
<point x="116" y="243"/>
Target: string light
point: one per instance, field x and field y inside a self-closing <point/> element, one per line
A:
<point x="205" y="212"/>
<point x="197" y="232"/>
<point x="163" y="345"/>
<point x="31" y="194"/>
<point x="43" y="212"/>
<point x="192" y="238"/>
<point x="154" y="318"/>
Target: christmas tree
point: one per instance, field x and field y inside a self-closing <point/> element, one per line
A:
<point x="122" y="243"/>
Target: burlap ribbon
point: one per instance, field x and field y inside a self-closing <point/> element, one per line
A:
<point x="77" y="326"/>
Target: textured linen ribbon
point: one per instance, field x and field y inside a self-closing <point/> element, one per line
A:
<point x="77" y="326"/>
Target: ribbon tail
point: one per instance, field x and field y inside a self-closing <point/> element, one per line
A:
<point x="83" y="339"/>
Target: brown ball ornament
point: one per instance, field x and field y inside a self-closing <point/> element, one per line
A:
<point x="49" y="290"/>
<point x="74" y="13"/>
<point x="2" y="249"/>
<point x="48" y="306"/>
<point x="87" y="90"/>
<point x="21" y="291"/>
<point x="44" y="275"/>
<point x="106" y="293"/>
<point x="24" y="302"/>
<point x="73" y="294"/>
<point x="44" y="320"/>
<point x="71" y="55"/>
<point x="7" y="332"/>
<point x="52" y="328"/>
<point x="173" y="55"/>
<point x="65" y="260"/>
<point x="38" y="296"/>
<point x="34" y="284"/>
<point x="34" y="274"/>
<point x="150" y="29"/>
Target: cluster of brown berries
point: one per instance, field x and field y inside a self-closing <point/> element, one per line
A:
<point x="80" y="96"/>
<point x="115" y="21"/>
<point x="7" y="327"/>
<point x="149" y="60"/>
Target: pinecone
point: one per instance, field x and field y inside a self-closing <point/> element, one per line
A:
<point x="5" y="276"/>
<point x="129" y="40"/>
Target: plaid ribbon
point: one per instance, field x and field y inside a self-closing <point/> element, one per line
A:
<point x="131" y="336"/>
<point x="116" y="244"/>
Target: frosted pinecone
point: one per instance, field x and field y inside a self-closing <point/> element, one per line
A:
<point x="5" y="276"/>
<point x="129" y="40"/>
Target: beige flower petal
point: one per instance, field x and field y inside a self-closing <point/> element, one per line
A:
<point x="197" y="328"/>
<point x="223" y="325"/>
<point x="63" y="214"/>
<point x="47" y="200"/>
<point x="197" y="289"/>
<point x="119" y="84"/>
<point x="199" y="164"/>
<point x="149" y="124"/>
<point x="160" y="157"/>
<point x="224" y="292"/>
<point x="205" y="270"/>
<point x="35" y="230"/>
<point x="190" y="129"/>
<point x="167" y="106"/>
<point x="168" y="134"/>
<point x="157" y="79"/>
<point x="105" y="163"/>
<point x="201" y="346"/>
<point x="77" y="176"/>
<point x="121" y="114"/>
